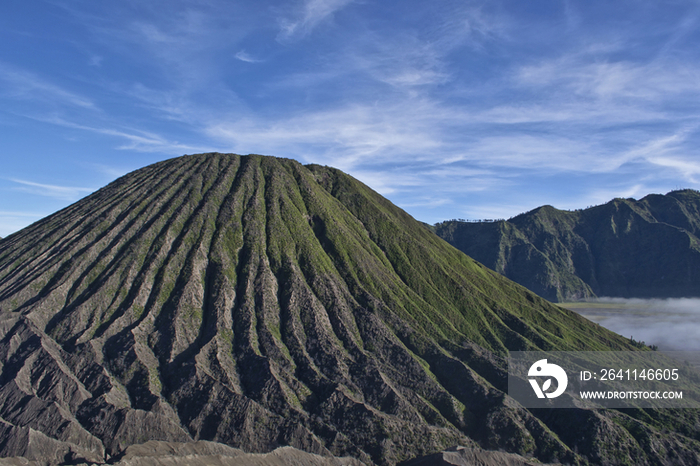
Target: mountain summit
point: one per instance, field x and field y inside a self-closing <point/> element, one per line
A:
<point x="256" y="302"/>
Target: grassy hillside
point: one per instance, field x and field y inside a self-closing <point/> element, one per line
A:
<point x="625" y="248"/>
<point x="256" y="302"/>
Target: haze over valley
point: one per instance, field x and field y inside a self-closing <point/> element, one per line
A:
<point x="670" y="324"/>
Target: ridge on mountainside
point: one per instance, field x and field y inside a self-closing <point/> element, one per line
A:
<point x="625" y="248"/>
<point x="257" y="302"/>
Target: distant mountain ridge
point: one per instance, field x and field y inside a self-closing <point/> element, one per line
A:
<point x="624" y="248"/>
<point x="256" y="302"/>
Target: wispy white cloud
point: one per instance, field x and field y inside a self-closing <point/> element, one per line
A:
<point x="428" y="202"/>
<point x="402" y="62"/>
<point x="590" y="76"/>
<point x="246" y="57"/>
<point x="143" y="141"/>
<point x="445" y="181"/>
<point x="186" y="31"/>
<point x="343" y="137"/>
<point x="404" y="59"/>
<point x="681" y="30"/>
<point x="452" y="99"/>
<point x="184" y="48"/>
<point x="309" y="15"/>
<point x="675" y="151"/>
<point x="63" y="193"/>
<point x="421" y="56"/>
<point x="138" y="140"/>
<point x="659" y="146"/>
<point x="559" y="111"/>
<point x="423" y="133"/>
<point x="308" y="79"/>
<point x="25" y="85"/>
<point x="689" y="169"/>
<point x="466" y="24"/>
<point x="172" y="104"/>
<point x="546" y="153"/>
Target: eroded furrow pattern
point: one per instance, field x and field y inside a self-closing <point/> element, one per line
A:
<point x="257" y="302"/>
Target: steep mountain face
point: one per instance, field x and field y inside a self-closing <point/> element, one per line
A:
<point x="625" y="248"/>
<point x="256" y="302"/>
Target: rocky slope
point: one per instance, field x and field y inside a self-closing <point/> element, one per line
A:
<point x="256" y="302"/>
<point x="203" y="453"/>
<point x="625" y="248"/>
<point x="459" y="456"/>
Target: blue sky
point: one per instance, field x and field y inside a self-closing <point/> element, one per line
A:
<point x="451" y="109"/>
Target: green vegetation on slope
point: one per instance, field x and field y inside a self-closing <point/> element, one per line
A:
<point x="625" y="248"/>
<point x="258" y="302"/>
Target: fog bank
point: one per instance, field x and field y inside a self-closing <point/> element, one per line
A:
<point x="670" y="324"/>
